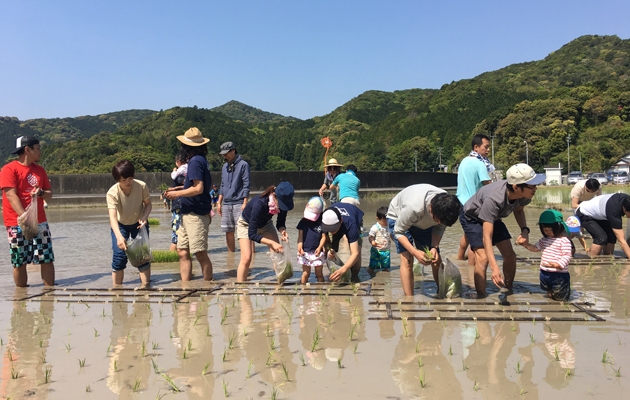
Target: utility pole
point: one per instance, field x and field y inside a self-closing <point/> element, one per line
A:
<point x="415" y="159"/>
<point x="569" y="153"/>
<point x="492" y="137"/>
<point x="526" y="152"/>
<point x="580" y="161"/>
<point x="440" y="155"/>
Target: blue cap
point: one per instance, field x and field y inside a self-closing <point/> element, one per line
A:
<point x="284" y="194"/>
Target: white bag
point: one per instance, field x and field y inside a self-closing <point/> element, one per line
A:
<point x="450" y="285"/>
<point x="28" y="221"/>
<point x="283" y="262"/>
<point x="139" y="249"/>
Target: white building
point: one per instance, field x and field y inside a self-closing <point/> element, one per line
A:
<point x="623" y="165"/>
<point x="554" y="175"/>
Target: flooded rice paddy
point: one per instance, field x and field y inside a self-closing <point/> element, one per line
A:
<point x="212" y="340"/>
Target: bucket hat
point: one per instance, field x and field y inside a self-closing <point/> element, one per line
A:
<point x="551" y="216"/>
<point x="284" y="194"/>
<point x="573" y="223"/>
<point x="523" y="173"/>
<point x="193" y="137"/>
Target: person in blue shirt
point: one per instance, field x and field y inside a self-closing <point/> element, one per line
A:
<point x="348" y="184"/>
<point x="343" y="219"/>
<point x="196" y="205"/>
<point x="254" y="224"/>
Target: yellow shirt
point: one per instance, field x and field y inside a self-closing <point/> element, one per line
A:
<point x="130" y="207"/>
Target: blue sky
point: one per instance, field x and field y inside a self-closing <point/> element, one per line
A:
<point x="298" y="58"/>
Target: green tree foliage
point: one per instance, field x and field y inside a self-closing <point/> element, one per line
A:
<point x="244" y="113"/>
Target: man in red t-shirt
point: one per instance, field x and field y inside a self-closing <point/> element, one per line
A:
<point x="21" y="182"/>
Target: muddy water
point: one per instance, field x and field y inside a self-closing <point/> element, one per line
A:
<point x="305" y="346"/>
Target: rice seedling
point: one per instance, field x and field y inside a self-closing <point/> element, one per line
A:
<point x="174" y="387"/>
<point x="268" y="333"/>
<point x="315" y="341"/>
<point x="476" y="386"/>
<point x="351" y="334"/>
<point x="88" y="389"/>
<point x="302" y="359"/>
<point x="423" y="380"/>
<point x="618" y="340"/>
<point x="170" y="334"/>
<point x="568" y="373"/>
<point x="274" y="393"/>
<point x="464" y="367"/>
<point x="606" y="358"/>
<point x="225" y="388"/>
<point x="43" y="358"/>
<point x="9" y="355"/>
<point x="144" y="349"/>
<point x="523" y="392"/>
<point x="208" y="332"/>
<point x="450" y="350"/>
<point x="244" y="332"/>
<point x="419" y="361"/>
<point x="47" y="374"/>
<point x="82" y="363"/>
<point x="550" y="329"/>
<point x="41" y="343"/>
<point x="617" y="372"/>
<point x="272" y="345"/>
<point x="231" y="340"/>
<point x="153" y="221"/>
<point x="224" y="356"/>
<point x="160" y="313"/>
<point x="36" y="331"/>
<point x="270" y="359"/>
<point x="556" y="353"/>
<point x="68" y="347"/>
<point x="205" y="369"/>
<point x="109" y="348"/>
<point x="404" y="321"/>
<point x="356" y="346"/>
<point x="285" y="371"/>
<point x="339" y="366"/>
<point x="249" y="367"/>
<point x="14" y="374"/>
<point x="184" y="354"/>
<point x="189" y="345"/>
<point x="136" y="385"/>
<point x="329" y="320"/>
<point x="196" y="320"/>
<point x="115" y="365"/>
<point x="102" y="314"/>
<point x="156" y="369"/>
<point x="476" y="333"/>
<point x="155" y="345"/>
<point x="518" y="367"/>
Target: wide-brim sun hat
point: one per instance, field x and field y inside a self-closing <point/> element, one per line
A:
<point x="284" y="195"/>
<point x="333" y="163"/>
<point x="193" y="137"/>
<point x="331" y="220"/>
<point x="574" y="224"/>
<point x="523" y="173"/>
<point x="552" y="216"/>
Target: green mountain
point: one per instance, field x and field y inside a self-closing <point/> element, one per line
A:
<point x="49" y="130"/>
<point x="244" y="113"/>
<point x="582" y="89"/>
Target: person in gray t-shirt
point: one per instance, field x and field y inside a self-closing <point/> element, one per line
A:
<point x="481" y="220"/>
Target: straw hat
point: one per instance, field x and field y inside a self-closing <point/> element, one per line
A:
<point x="193" y="137"/>
<point x="333" y="163"/>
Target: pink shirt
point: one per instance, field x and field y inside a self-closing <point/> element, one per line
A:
<point x="555" y="250"/>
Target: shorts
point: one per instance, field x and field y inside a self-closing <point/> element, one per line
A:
<point x="473" y="229"/>
<point x="420" y="238"/>
<point x="119" y="257"/>
<point x="379" y="259"/>
<point x="312" y="259"/>
<point x="600" y="230"/>
<point x="193" y="232"/>
<point x="242" y="229"/>
<point x="230" y="213"/>
<point x="350" y="200"/>
<point x="175" y="222"/>
<point x="336" y="238"/>
<point x="556" y="283"/>
<point x="39" y="250"/>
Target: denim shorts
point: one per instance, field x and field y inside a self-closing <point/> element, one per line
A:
<point x="473" y="229"/>
<point x="556" y="283"/>
<point x="119" y="258"/>
<point x="38" y="250"/>
<point x="420" y="238"/>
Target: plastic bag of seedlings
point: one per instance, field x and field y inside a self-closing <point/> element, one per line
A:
<point x="28" y="221"/>
<point x="418" y="269"/>
<point x="283" y="262"/>
<point x="335" y="264"/>
<point x="139" y="249"/>
<point x="450" y="281"/>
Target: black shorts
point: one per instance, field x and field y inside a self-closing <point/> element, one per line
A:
<point x="473" y="229"/>
<point x="600" y="230"/>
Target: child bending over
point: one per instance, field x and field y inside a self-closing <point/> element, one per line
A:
<point x="311" y="240"/>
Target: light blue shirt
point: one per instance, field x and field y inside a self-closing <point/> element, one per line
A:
<point x="348" y="185"/>
<point x="470" y="176"/>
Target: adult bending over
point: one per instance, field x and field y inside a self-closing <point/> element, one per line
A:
<point x="601" y="217"/>
<point x="254" y="224"/>
<point x="481" y="220"/>
<point x="418" y="216"/>
<point x="344" y="219"/>
<point x="192" y="237"/>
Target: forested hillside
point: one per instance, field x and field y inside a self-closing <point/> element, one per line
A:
<point x="582" y="89"/>
<point x="242" y="112"/>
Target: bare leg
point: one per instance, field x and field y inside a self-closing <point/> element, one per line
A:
<point x="48" y="274"/>
<point x="206" y="265"/>
<point x="509" y="262"/>
<point x="231" y="243"/>
<point x="246" y="259"/>
<point x="610" y="247"/>
<point x="319" y="273"/>
<point x="145" y="276"/>
<point x="19" y="276"/>
<point x="406" y="272"/>
<point x="596" y="249"/>
<point x="306" y="272"/>
<point x="185" y="264"/>
<point x="356" y="268"/>
<point x="481" y="265"/>
<point x="173" y="247"/>
<point x="463" y="245"/>
<point x="117" y="277"/>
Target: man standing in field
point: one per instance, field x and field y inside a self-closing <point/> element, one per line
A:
<point x="23" y="182"/>
<point x="234" y="191"/>
<point x="474" y="172"/>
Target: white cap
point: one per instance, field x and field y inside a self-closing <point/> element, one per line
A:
<point x="523" y="173"/>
